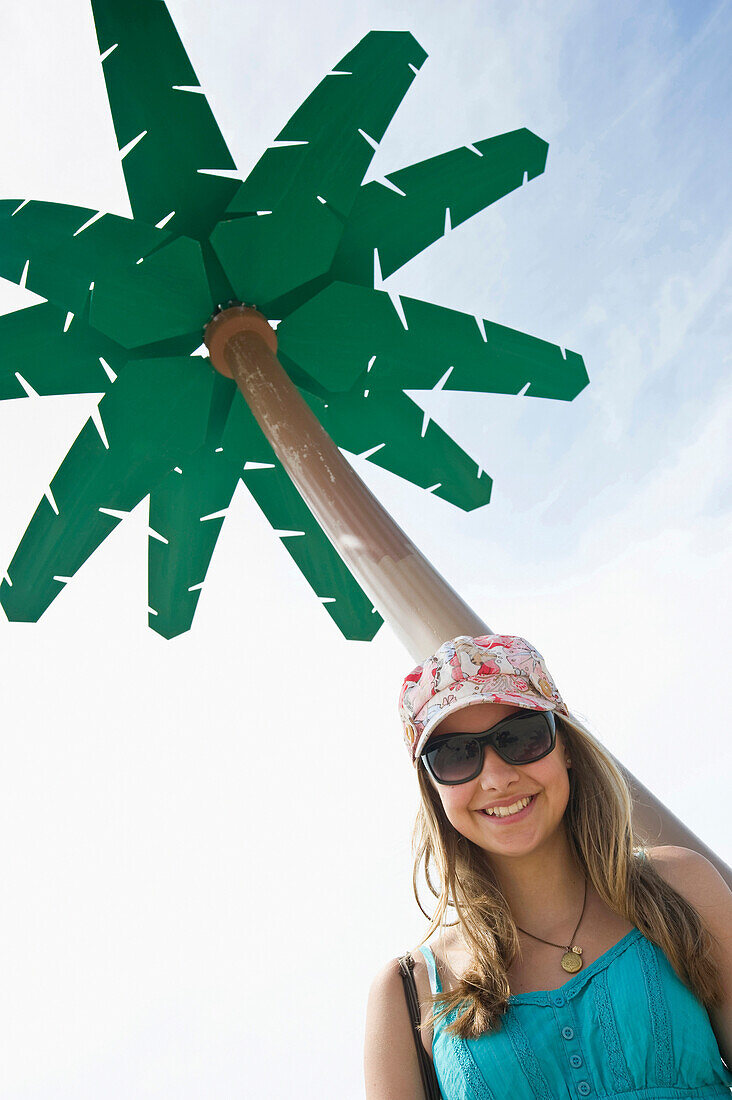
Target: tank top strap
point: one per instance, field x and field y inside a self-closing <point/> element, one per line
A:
<point x="429" y="958"/>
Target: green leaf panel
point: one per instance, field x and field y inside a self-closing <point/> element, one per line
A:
<point x="154" y="415"/>
<point x="382" y="64"/>
<point x="144" y="73"/>
<point x="165" y="296"/>
<point x="359" y="423"/>
<point x="362" y="93"/>
<point x="335" y="336"/>
<point x="203" y="485"/>
<point x="313" y="553"/>
<point x="149" y="286"/>
<point x="465" y="182"/>
<point x="223" y="394"/>
<point x="32" y="230"/>
<point x="107" y="250"/>
<point x="52" y="361"/>
<point x="311" y="188"/>
<point x="279" y="260"/>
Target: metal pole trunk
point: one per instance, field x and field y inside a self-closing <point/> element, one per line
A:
<point x="416" y="601"/>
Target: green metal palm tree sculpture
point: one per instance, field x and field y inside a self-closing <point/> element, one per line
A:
<point x="304" y="239"/>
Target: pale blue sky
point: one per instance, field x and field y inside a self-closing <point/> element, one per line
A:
<point x="167" y="893"/>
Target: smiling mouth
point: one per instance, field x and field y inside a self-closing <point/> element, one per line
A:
<point x="502" y="814"/>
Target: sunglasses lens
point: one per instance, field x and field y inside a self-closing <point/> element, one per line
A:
<point x="455" y="760"/>
<point x="460" y="758"/>
<point x="527" y="739"/>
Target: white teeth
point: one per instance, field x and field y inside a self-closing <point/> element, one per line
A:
<point x="506" y="811"/>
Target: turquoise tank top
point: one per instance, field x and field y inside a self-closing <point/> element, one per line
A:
<point x="624" y="1026"/>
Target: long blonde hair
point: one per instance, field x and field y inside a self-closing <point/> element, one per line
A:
<point x="602" y="837"/>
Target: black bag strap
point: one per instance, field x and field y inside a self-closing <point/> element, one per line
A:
<point x="426" y="1068"/>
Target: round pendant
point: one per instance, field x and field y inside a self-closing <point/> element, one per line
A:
<point x="571" y="962"/>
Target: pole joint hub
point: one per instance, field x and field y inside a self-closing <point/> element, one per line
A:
<point x="235" y="320"/>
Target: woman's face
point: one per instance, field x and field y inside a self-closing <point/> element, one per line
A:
<point x="499" y="782"/>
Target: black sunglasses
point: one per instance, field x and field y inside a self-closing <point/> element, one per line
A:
<point x="518" y="739"/>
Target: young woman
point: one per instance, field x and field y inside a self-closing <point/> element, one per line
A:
<point x="565" y="959"/>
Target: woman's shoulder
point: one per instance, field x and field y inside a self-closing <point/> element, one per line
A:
<point x="443" y="947"/>
<point x="692" y="875"/>
<point x="661" y="853"/>
<point x="389" y="980"/>
<point x="676" y="864"/>
<point x="391" y="1064"/>
<point x="387" y="991"/>
<point x="387" y="1005"/>
<point x="388" y="985"/>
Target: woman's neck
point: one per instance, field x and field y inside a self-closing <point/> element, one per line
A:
<point x="544" y="889"/>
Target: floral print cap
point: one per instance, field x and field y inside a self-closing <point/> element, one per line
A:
<point x="494" y="668"/>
